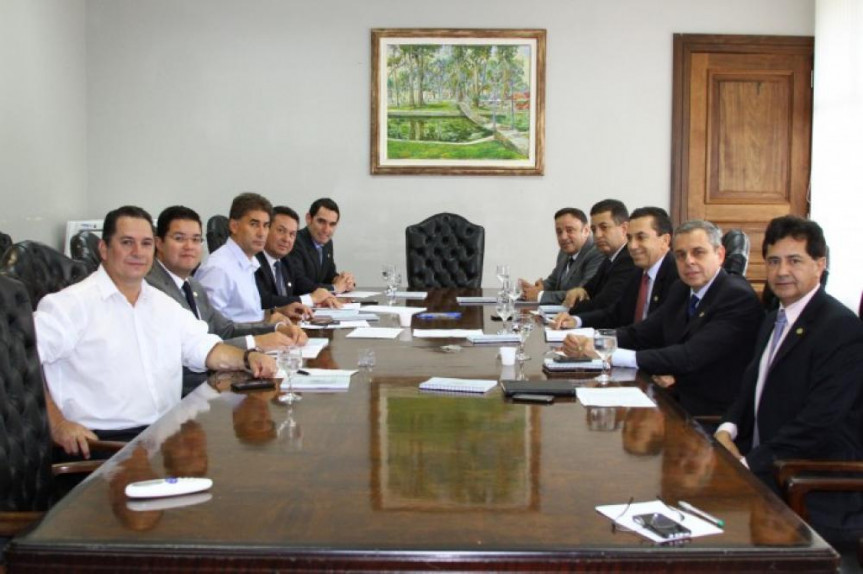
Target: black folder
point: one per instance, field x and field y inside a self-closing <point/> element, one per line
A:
<point x="556" y="387"/>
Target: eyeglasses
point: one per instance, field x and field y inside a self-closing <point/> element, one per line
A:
<point x="180" y="238"/>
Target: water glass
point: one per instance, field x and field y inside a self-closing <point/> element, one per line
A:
<point x="524" y="327"/>
<point x="504" y="308"/>
<point x="605" y="344"/>
<point x="290" y="361"/>
<point x="502" y="273"/>
<point x="366" y="359"/>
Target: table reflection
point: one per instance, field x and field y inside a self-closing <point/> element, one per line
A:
<point x="643" y="432"/>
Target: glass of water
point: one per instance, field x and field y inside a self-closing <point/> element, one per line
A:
<point x="502" y="273"/>
<point x="524" y="325"/>
<point x="605" y="344"/>
<point x="290" y="361"/>
<point x="504" y="308"/>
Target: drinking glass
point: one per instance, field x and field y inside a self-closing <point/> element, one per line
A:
<point x="290" y="361"/>
<point x="525" y="328"/>
<point x="514" y="291"/>
<point x="605" y="344"/>
<point x="504" y="308"/>
<point x="502" y="273"/>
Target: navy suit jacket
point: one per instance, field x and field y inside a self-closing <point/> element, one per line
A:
<point x="608" y="284"/>
<point x="266" y="282"/>
<point x="622" y="312"/>
<point x="304" y="260"/>
<point x="706" y="353"/>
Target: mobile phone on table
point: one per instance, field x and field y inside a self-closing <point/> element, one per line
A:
<point x="662" y="525"/>
<point x="253" y="385"/>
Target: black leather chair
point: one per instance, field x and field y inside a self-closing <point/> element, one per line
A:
<point x="41" y="269"/>
<point x="445" y="250"/>
<point x="217" y="232"/>
<point x="5" y="242"/>
<point x="84" y="247"/>
<point x="737" y="245"/>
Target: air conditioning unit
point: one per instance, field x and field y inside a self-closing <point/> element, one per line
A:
<point x="73" y="227"/>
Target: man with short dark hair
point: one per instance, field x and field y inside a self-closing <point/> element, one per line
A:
<point x="802" y="394"/>
<point x="178" y="253"/>
<point x="113" y="347"/>
<point x="577" y="261"/>
<point x="312" y="256"/>
<point x="277" y="284"/>
<point x="609" y="222"/>
<point x="700" y="341"/>
<point x="648" y="241"/>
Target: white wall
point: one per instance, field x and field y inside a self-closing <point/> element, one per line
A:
<point x="837" y="141"/>
<point x="43" y="153"/>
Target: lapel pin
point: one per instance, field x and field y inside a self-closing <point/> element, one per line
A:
<point x="656" y="298"/>
<point x="701" y="314"/>
<point x="799" y="330"/>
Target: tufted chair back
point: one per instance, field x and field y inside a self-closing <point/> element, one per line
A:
<point x="41" y="269"/>
<point x="25" y="442"/>
<point x="217" y="232"/>
<point x="84" y="247"/>
<point x="736" y="244"/>
<point x="5" y="242"/>
<point x="445" y="250"/>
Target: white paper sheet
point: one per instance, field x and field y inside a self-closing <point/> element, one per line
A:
<point x="357" y="294"/>
<point x="413" y="295"/>
<point x="488" y="339"/>
<point x="476" y="300"/>
<point x="339" y="325"/>
<point x="558" y="335"/>
<point x="613" y="397"/>
<point x="445" y="333"/>
<point x="696" y="525"/>
<point x="313" y="347"/>
<point x="375" y="333"/>
<point x="394" y="309"/>
<point x="324" y="383"/>
<point x="447" y="384"/>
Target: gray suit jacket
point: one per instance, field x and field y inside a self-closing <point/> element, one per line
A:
<point x="231" y="332"/>
<point x="558" y="283"/>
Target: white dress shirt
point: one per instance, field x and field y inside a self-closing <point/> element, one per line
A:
<point x="228" y="276"/>
<point x="110" y="365"/>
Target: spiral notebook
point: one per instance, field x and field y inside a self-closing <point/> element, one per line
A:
<point x="458" y="385"/>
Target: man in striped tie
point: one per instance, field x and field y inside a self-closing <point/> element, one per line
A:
<point x="802" y="394"/>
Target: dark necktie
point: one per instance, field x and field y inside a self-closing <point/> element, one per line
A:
<point x="778" y="329"/>
<point x="693" y="305"/>
<point x="190" y="298"/>
<point x="641" y="302"/>
<point x="280" y="278"/>
<point x="320" y="249"/>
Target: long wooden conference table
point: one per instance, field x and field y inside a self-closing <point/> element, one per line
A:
<point x="384" y="477"/>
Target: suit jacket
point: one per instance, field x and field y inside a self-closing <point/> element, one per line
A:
<point x="622" y="312"/>
<point x="608" y="284"/>
<point x="584" y="267"/>
<point x="231" y="332"/>
<point x="305" y="262"/>
<point x="294" y="286"/>
<point x="706" y="353"/>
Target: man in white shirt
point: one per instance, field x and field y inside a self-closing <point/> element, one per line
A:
<point x="228" y="274"/>
<point x="577" y="261"/>
<point x="113" y="347"/>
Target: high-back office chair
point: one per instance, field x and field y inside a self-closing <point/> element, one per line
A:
<point x="217" y="232"/>
<point x="84" y="247"/>
<point x="5" y="242"/>
<point x="445" y="250"/>
<point x="737" y="246"/>
<point x="41" y="269"/>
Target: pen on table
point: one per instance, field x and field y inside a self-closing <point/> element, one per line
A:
<point x="302" y="372"/>
<point x="701" y="514"/>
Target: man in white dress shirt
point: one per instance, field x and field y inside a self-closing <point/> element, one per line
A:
<point x="113" y="347"/>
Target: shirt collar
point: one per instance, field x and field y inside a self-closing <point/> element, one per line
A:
<point x="616" y="253"/>
<point x="176" y="278"/>
<point x="246" y="263"/>
<point x="107" y="287"/>
<point x="703" y="291"/>
<point x="793" y="311"/>
<point x="653" y="271"/>
<point x="270" y="259"/>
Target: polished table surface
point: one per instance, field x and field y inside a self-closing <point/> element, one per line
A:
<point x="385" y="477"/>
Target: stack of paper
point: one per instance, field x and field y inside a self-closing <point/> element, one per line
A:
<point x="476" y="300"/>
<point x="587" y="365"/>
<point x="346" y="315"/>
<point x="457" y="385"/>
<point x="357" y="294"/>
<point x="445" y="333"/>
<point x="320" y="380"/>
<point x="375" y="333"/>
<point x="485" y="339"/>
<point x="413" y="295"/>
<point x="558" y="335"/>
<point x="613" y="397"/>
<point x="313" y="347"/>
<point x="339" y="325"/>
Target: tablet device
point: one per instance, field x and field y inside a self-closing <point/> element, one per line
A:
<point x="556" y="388"/>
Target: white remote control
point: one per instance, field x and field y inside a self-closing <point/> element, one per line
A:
<point x="167" y="487"/>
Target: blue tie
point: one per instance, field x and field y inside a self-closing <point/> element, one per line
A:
<point x="320" y="249"/>
<point x="778" y="329"/>
<point x="693" y="305"/>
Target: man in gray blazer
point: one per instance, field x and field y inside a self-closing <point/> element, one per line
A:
<point x="577" y="261"/>
<point x="178" y="252"/>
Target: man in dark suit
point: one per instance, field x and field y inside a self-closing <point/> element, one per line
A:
<point x="801" y="394"/>
<point x="178" y="252"/>
<point x="700" y="340"/>
<point x="276" y="281"/>
<point x="609" y="222"/>
<point x="312" y="256"/>
<point x="577" y="261"/>
<point x="649" y="243"/>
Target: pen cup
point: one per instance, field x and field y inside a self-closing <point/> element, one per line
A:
<point x="507" y="355"/>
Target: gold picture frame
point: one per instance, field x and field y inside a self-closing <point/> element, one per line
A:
<point x="458" y="101"/>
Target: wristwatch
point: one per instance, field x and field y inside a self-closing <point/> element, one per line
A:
<point x="246" y="356"/>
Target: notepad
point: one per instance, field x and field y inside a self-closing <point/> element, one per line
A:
<point x="486" y="339"/>
<point x="445" y="333"/>
<point x="476" y="300"/>
<point x="457" y="385"/>
<point x="558" y="335"/>
<point x="413" y="295"/>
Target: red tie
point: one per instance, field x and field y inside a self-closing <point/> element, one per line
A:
<point x="642" y="298"/>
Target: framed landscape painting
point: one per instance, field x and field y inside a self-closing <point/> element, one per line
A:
<point x="458" y="101"/>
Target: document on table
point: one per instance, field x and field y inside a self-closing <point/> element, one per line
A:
<point x="339" y="325"/>
<point x="613" y="397"/>
<point x="623" y="515"/>
<point x="552" y="309"/>
<point x="558" y="335"/>
<point x="375" y="333"/>
<point x="346" y="315"/>
<point x="357" y="294"/>
<point x="445" y="333"/>
<point x="320" y="380"/>
<point x="450" y="385"/>
<point x="487" y="339"/>
<point x="313" y="347"/>
<point x="394" y="309"/>
<point x="563" y="366"/>
<point x="476" y="300"/>
<point x="413" y="295"/>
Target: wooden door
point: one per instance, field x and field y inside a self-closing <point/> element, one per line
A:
<point x="741" y="132"/>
